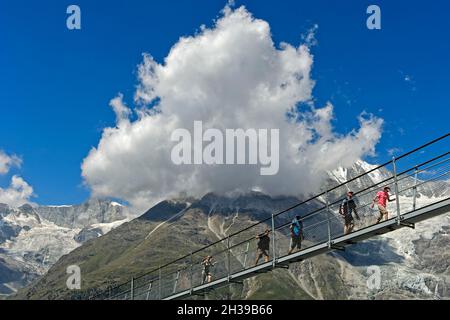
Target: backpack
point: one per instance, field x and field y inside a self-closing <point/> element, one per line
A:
<point x="297" y="227"/>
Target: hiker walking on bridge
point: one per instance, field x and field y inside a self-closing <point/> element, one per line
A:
<point x="346" y="209"/>
<point x="381" y="199"/>
<point x="207" y="263"/>
<point x="263" y="246"/>
<point x="296" y="229"/>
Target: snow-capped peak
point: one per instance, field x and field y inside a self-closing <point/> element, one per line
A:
<point x="59" y="206"/>
<point x="116" y="204"/>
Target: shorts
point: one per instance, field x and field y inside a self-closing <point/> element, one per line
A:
<point x="207" y="271"/>
<point x="348" y="219"/>
<point x="296" y="241"/>
<point x="382" y="209"/>
<point x="263" y="251"/>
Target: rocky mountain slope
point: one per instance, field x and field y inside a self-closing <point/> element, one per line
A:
<point x="33" y="238"/>
<point x="412" y="263"/>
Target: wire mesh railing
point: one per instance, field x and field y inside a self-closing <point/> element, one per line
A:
<point x="412" y="185"/>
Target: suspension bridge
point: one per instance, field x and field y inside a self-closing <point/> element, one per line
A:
<point x="419" y="180"/>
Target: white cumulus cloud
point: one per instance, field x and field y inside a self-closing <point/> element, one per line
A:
<point x="120" y="109"/>
<point x="18" y="193"/>
<point x="8" y="161"/>
<point x="231" y="75"/>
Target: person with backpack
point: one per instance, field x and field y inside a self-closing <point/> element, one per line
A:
<point x="207" y="263"/>
<point x="263" y="246"/>
<point x="296" y="229"/>
<point x="381" y="199"/>
<point x="347" y="207"/>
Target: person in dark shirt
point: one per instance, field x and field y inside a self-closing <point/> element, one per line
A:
<point x="263" y="246"/>
<point x="348" y="206"/>
<point x="207" y="263"/>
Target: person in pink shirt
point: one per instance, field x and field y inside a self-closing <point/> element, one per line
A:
<point x="381" y="199"/>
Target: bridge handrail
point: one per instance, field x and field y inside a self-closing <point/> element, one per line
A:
<point x="302" y="203"/>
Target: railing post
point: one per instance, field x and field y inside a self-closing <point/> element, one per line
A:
<point x="397" y="200"/>
<point x="176" y="282"/>
<point x="132" y="289"/>
<point x="273" y="241"/>
<point x="416" y="170"/>
<point x="160" y="284"/>
<point x="192" y="273"/>
<point x="329" y="220"/>
<point x="149" y="289"/>
<point x="246" y="254"/>
<point x="228" y="258"/>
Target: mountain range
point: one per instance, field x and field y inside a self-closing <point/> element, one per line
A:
<point x="33" y="238"/>
<point x="110" y="247"/>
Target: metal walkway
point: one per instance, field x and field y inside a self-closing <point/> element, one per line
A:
<point x="419" y="181"/>
<point x="407" y="220"/>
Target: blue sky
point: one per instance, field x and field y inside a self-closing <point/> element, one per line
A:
<point x="55" y="84"/>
